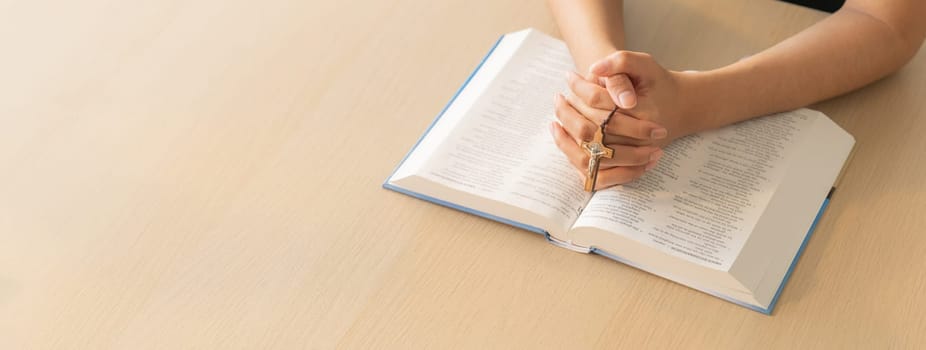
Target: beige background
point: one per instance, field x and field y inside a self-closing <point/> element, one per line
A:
<point x="206" y="174"/>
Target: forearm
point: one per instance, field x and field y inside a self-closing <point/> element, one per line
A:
<point x="841" y="53"/>
<point x="591" y="28"/>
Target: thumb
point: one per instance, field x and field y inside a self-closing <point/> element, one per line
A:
<point x="614" y="69"/>
<point x="621" y="90"/>
<point x="616" y="63"/>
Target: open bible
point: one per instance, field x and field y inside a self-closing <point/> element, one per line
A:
<point x="726" y="212"/>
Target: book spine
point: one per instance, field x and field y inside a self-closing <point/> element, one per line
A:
<point x="567" y="244"/>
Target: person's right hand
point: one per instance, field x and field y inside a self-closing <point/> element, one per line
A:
<point x="653" y="102"/>
<point x="657" y="95"/>
<point x="635" y="142"/>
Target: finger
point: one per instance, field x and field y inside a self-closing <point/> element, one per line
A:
<point x="620" y="62"/>
<point x="627" y="141"/>
<point x="576" y="125"/>
<point x="565" y="143"/>
<point x="624" y="125"/>
<point x="630" y="64"/>
<point x="594" y="115"/>
<point x="621" y="90"/>
<point x="631" y="156"/>
<point x="621" y="175"/>
<point x="592" y="94"/>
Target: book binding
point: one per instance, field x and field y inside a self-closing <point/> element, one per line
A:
<point x="567" y="244"/>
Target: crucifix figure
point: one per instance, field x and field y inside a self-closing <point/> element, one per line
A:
<point x="596" y="150"/>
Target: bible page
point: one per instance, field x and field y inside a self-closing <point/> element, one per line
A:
<point x="701" y="202"/>
<point x="502" y="149"/>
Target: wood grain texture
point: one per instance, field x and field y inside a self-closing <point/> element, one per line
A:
<point x="187" y="174"/>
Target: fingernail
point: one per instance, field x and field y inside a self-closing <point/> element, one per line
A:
<point x="656" y="155"/>
<point x="553" y="128"/>
<point x="628" y="99"/>
<point x="569" y="75"/>
<point x="659" y="134"/>
<point x="651" y="165"/>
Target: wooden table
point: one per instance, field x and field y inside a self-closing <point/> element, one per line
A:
<point x="206" y="174"/>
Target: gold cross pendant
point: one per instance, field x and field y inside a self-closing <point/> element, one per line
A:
<point x="596" y="150"/>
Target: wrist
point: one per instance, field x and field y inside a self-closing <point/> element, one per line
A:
<point x="721" y="96"/>
<point x="588" y="51"/>
<point x="696" y="101"/>
<point x="592" y="29"/>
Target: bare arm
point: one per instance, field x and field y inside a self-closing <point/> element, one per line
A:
<point x="864" y="41"/>
<point x="592" y="28"/>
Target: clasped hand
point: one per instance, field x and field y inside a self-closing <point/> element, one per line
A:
<point x="648" y="117"/>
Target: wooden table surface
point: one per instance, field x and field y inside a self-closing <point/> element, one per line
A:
<point x="206" y="174"/>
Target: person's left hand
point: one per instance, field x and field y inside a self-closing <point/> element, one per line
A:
<point x="648" y="119"/>
<point x="580" y="112"/>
